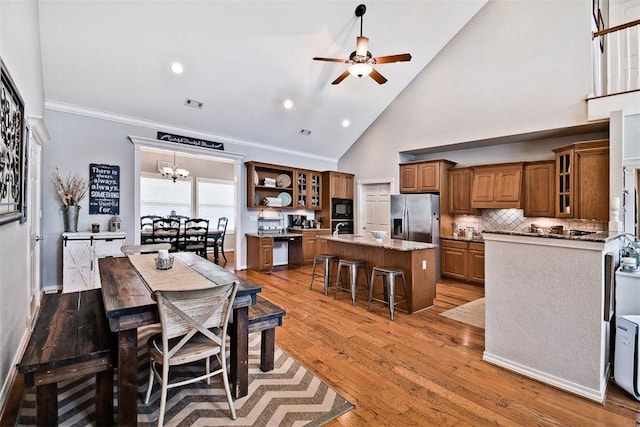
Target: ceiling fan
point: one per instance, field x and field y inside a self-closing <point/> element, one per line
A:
<point x="361" y="59"/>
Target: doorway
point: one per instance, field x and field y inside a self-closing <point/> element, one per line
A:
<point x="374" y="206"/>
<point x="34" y="218"/>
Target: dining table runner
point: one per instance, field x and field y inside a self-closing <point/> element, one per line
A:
<point x="180" y="277"/>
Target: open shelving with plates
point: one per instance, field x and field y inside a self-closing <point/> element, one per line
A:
<point x="265" y="181"/>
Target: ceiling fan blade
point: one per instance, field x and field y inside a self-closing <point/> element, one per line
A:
<point x="317" y="58"/>
<point x="341" y="77"/>
<point x="393" y="58"/>
<point x="378" y="77"/>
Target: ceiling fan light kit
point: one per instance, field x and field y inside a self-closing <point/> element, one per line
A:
<point x="361" y="61"/>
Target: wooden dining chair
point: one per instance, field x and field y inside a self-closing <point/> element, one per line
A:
<point x="194" y="328"/>
<point x="144" y="249"/>
<point x="194" y="238"/>
<point x="166" y="230"/>
<point x="222" y="226"/>
<point x="146" y="225"/>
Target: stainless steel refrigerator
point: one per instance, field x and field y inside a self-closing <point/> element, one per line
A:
<point x="417" y="217"/>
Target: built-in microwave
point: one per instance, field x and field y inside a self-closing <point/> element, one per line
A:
<point x="341" y="209"/>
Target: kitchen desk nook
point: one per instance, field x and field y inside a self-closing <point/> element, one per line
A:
<point x="417" y="259"/>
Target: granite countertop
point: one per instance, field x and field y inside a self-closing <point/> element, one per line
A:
<point x="266" y="235"/>
<point x="387" y="243"/>
<point x="598" y="236"/>
<point x="464" y="239"/>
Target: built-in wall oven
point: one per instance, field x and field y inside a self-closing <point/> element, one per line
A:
<point x="346" y="227"/>
<point x="341" y="209"/>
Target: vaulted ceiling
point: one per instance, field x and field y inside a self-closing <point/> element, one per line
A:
<point x="242" y="60"/>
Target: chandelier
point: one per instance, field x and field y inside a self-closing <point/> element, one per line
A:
<point x="173" y="172"/>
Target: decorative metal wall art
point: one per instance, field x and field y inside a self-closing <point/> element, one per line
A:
<point x="12" y="149"/>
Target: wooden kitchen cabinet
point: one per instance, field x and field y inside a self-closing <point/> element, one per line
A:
<point x="582" y="181"/>
<point x="539" y="189"/>
<point x="257" y="191"/>
<point x="462" y="260"/>
<point x="424" y="177"/>
<point x="341" y="185"/>
<point x="497" y="186"/>
<point x="460" y="181"/>
<point x="260" y="253"/>
<point x="312" y="244"/>
<point x="307" y="190"/>
<point x="475" y="263"/>
<point x="453" y="259"/>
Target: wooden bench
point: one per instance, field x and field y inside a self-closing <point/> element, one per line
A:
<point x="264" y="317"/>
<point x="71" y="339"/>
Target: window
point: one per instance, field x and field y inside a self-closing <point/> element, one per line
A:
<point x="160" y="196"/>
<point x="216" y="198"/>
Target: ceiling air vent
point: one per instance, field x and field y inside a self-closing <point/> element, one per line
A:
<point x="193" y="103"/>
<point x="304" y="132"/>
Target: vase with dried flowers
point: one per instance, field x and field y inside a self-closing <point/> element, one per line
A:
<point x="70" y="191"/>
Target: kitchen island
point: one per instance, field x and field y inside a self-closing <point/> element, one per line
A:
<point x="416" y="258"/>
<point x="547" y="307"/>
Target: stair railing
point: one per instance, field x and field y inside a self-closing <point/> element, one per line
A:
<point x="617" y="59"/>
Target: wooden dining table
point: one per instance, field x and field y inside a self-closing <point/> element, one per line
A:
<point x="212" y="236"/>
<point x="128" y="305"/>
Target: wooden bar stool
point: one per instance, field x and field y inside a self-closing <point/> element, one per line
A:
<point x="388" y="275"/>
<point x="326" y="261"/>
<point x="353" y="266"/>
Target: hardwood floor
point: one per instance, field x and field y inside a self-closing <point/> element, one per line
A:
<point x="420" y="369"/>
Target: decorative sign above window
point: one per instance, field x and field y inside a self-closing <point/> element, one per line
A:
<point x="190" y="141"/>
<point x="104" y="189"/>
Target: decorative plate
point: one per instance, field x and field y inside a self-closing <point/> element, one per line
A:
<point x="285" y="197"/>
<point x="255" y="178"/>
<point x="283" y="181"/>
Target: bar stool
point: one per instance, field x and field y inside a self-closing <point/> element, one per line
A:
<point x="388" y="275"/>
<point x="353" y="266"/>
<point x="326" y="261"/>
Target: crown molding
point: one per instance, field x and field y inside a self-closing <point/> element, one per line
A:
<point x="38" y="129"/>
<point x="149" y="124"/>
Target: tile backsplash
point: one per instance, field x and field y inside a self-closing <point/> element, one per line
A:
<point x="514" y="220"/>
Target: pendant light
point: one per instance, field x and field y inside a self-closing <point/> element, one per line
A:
<point x="173" y="172"/>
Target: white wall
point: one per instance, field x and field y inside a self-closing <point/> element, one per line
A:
<point x="20" y="51"/>
<point x="517" y="67"/>
<point x="78" y="140"/>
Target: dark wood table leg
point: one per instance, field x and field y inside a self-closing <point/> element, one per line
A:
<point x="47" y="405"/>
<point x="216" y="257"/>
<point x="239" y="357"/>
<point x="104" y="398"/>
<point x="127" y="377"/>
<point x="267" y="347"/>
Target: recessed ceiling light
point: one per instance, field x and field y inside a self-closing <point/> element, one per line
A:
<point x="345" y="123"/>
<point x="177" y="68"/>
<point x="288" y="104"/>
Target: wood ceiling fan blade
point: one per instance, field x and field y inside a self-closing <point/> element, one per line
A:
<point x="393" y="58"/>
<point x="378" y="77"/>
<point x="317" y="58"/>
<point x="341" y="77"/>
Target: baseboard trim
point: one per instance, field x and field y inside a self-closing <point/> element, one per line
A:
<point x="560" y="383"/>
<point x="13" y="372"/>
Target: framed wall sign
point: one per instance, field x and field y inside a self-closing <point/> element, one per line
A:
<point x="163" y="136"/>
<point x="104" y="189"/>
<point x="12" y="149"/>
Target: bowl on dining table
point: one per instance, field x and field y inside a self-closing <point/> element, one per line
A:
<point x="379" y="235"/>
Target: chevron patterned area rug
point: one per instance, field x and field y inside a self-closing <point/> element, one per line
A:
<point x="290" y="395"/>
